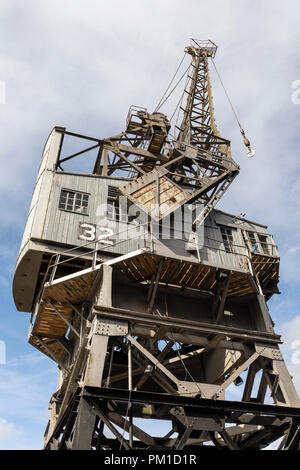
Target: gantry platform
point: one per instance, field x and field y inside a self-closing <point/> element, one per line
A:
<point x="53" y="316"/>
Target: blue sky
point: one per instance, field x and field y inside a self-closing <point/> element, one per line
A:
<point x="81" y="65"/>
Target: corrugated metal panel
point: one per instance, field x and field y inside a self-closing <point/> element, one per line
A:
<point x="40" y="197"/>
<point x="63" y="227"/>
<point x="214" y="250"/>
<point x="239" y="223"/>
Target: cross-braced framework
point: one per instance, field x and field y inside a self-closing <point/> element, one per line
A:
<point x="165" y="331"/>
<point x="198" y="162"/>
<point x="250" y="427"/>
<point x="146" y="365"/>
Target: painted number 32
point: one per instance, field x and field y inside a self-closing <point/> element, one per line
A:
<point x="91" y="233"/>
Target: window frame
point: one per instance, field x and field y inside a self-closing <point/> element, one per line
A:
<point x="115" y="214"/>
<point x="75" y="202"/>
<point x="260" y="247"/>
<point x="228" y="242"/>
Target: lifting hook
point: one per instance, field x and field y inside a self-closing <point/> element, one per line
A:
<point x="251" y="152"/>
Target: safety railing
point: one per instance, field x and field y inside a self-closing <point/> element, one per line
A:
<point x="91" y="255"/>
<point x="133" y="113"/>
<point x="210" y="248"/>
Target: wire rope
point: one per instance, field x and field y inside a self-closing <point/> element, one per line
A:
<point x="225" y="91"/>
<point x="173" y="89"/>
<point x="157" y="107"/>
<point x="251" y="152"/>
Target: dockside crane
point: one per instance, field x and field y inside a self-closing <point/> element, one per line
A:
<point x="146" y="314"/>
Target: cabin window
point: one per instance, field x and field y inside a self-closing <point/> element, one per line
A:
<point x="260" y="243"/>
<point x="73" y="201"/>
<point x="253" y="241"/>
<point x="263" y="240"/>
<point x="114" y="209"/>
<point x="227" y="239"/>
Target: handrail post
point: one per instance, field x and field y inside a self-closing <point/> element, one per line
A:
<point x="94" y="262"/>
<point x="57" y="258"/>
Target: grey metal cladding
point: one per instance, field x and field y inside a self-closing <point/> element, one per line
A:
<point x="62" y="226"/>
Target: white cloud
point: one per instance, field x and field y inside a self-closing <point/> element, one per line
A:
<point x="290" y="335"/>
<point x="9" y="433"/>
<point x="27" y="382"/>
<point x="14" y="437"/>
<point x="294" y="370"/>
<point x="290" y="330"/>
<point x="83" y="65"/>
<point x="90" y="64"/>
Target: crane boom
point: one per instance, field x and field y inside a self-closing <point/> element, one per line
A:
<point x="197" y="166"/>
